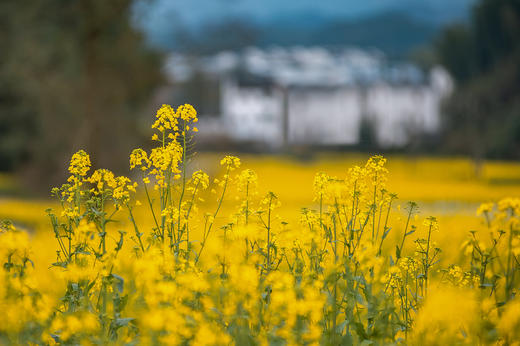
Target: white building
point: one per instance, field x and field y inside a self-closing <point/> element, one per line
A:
<point x="314" y="97"/>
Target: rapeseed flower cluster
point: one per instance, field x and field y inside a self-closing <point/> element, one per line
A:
<point x="356" y="269"/>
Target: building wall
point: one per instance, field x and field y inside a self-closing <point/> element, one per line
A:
<point x="324" y="116"/>
<point x="252" y="113"/>
<point x="399" y="112"/>
<point x="332" y="116"/>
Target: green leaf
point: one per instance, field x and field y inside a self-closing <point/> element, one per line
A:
<point x="411" y="232"/>
<point x="121" y="322"/>
<point x="120" y="282"/>
<point x="360" y="330"/>
<point x="386" y="233"/>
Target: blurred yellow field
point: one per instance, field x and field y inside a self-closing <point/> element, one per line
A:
<point x="421" y="179"/>
<point x="444" y="187"/>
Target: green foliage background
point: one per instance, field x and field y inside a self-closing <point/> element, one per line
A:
<point x="482" y="118"/>
<point x="73" y="74"/>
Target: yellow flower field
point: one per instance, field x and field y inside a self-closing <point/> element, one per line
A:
<point x="209" y="250"/>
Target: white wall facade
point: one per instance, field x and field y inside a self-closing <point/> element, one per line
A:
<point x="333" y="115"/>
<point x="252" y="113"/>
<point x="324" y="117"/>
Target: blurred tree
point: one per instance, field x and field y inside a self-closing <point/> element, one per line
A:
<point x="456" y="51"/>
<point x="482" y="117"/>
<point x="16" y="117"/>
<point x="73" y="74"/>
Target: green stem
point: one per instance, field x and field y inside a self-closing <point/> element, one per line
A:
<point x="214" y="215"/>
<point x="151" y="208"/>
